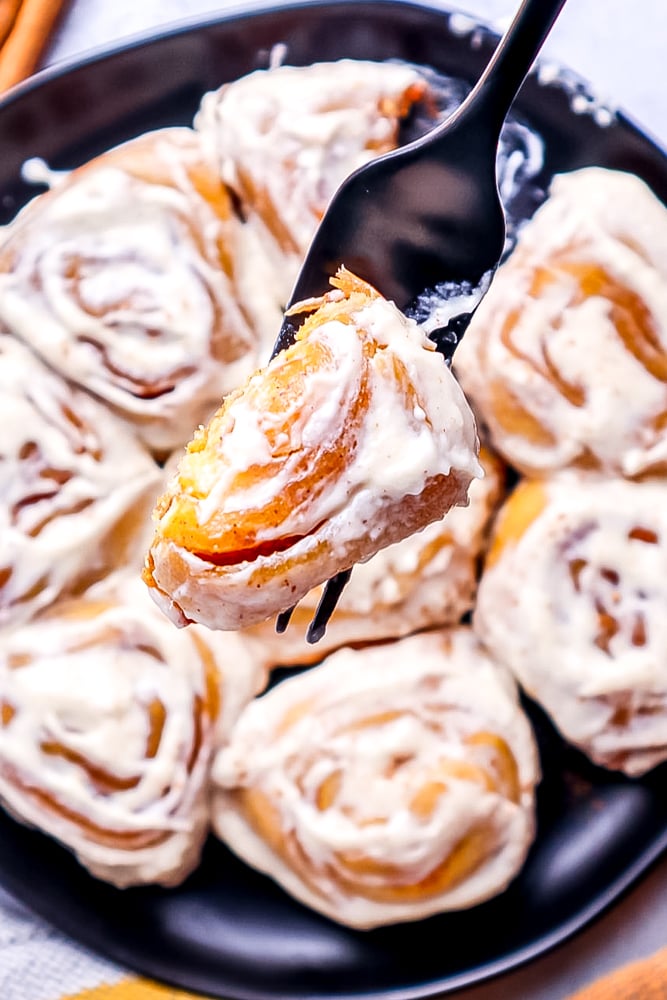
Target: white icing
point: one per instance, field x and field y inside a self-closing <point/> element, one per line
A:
<point x="84" y="677"/>
<point x="602" y="219"/>
<point x="75" y="485"/>
<point x="424" y="580"/>
<point x="117" y="279"/>
<point x="37" y="171"/>
<point x="84" y="680"/>
<point x="378" y="723"/>
<point x="462" y="24"/>
<point x="394" y="453"/>
<point x="583" y="100"/>
<point x="541" y="607"/>
<point x="295" y="133"/>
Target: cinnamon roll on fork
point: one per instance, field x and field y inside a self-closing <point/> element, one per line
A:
<point x="351" y="439"/>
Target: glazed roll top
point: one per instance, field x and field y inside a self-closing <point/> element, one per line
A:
<point x="565" y="360"/>
<point x="76" y="485"/>
<point x="124" y="277"/>
<point x="386" y="784"/>
<point x="287" y="137"/>
<point x="572" y="600"/>
<point x="106" y="733"/>
<point x="354" y="437"/>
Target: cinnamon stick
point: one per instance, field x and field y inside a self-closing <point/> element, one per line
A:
<point x="26" y="40"/>
<point x="642" y="980"/>
<point x="8" y="11"/>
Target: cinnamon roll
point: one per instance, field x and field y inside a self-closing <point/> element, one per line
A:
<point x="76" y="486"/>
<point x="286" y="138"/>
<point x="572" y="600"/>
<point x="565" y="360"/>
<point x="107" y="726"/>
<point x="428" y="579"/>
<point x="124" y="277"/>
<point x="351" y="439"/>
<point x="385" y="785"/>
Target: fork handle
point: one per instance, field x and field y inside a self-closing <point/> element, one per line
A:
<point x="509" y="65"/>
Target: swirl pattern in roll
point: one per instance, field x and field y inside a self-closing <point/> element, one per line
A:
<point x="76" y="486"/>
<point x="351" y="439"/>
<point x="124" y="277"/>
<point x="286" y="138"/>
<point x="385" y="785"/>
<point x="428" y="579"/>
<point x="565" y="360"/>
<point x="573" y="600"/>
<point x="107" y="727"/>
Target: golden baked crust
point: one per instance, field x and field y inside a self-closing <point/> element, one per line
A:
<point x="125" y="278"/>
<point x="565" y="361"/>
<point x="354" y="437"/>
<point x="572" y="600"/>
<point x="385" y="785"/>
<point x="428" y="579"/>
<point x="76" y="489"/>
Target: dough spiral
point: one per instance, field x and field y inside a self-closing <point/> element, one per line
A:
<point x="76" y="486"/>
<point x="572" y="600"/>
<point x="428" y="579"/>
<point x="385" y="785"/>
<point x="107" y="728"/>
<point x="123" y="277"/>
<point x="286" y="138"/>
<point x="354" y="437"/>
<point x="565" y="360"/>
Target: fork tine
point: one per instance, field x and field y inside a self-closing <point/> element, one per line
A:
<point x="328" y="601"/>
<point x="283" y="620"/>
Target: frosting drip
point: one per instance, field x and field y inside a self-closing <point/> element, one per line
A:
<point x="67" y="515"/>
<point x="386" y="784"/>
<point x="296" y="475"/>
<point x="587" y="281"/>
<point x="107" y="732"/>
<point x="572" y="600"/>
<point x="123" y="278"/>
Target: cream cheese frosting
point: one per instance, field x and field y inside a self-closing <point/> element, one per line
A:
<point x="386" y="784"/>
<point x="123" y="277"/>
<point x="353" y="438"/>
<point x="286" y="138"/>
<point x="107" y="730"/>
<point x="573" y="602"/>
<point x="428" y="579"/>
<point x="75" y="489"/>
<point x="565" y="360"/>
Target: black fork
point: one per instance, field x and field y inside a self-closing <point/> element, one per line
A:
<point x="426" y="213"/>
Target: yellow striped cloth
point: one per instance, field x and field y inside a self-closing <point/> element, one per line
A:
<point x="131" y="989"/>
<point x="38" y="962"/>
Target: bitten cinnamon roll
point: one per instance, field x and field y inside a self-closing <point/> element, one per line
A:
<point x="386" y="785"/>
<point x="123" y="277"/>
<point x="351" y="439"/>
<point x="573" y="601"/>
<point x="426" y="580"/>
<point x="566" y="358"/>
<point x="75" y="486"/>
<point x="287" y="137"/>
<point x="107" y="726"/>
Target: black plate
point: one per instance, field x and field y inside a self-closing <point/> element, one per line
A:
<point x="228" y="931"/>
